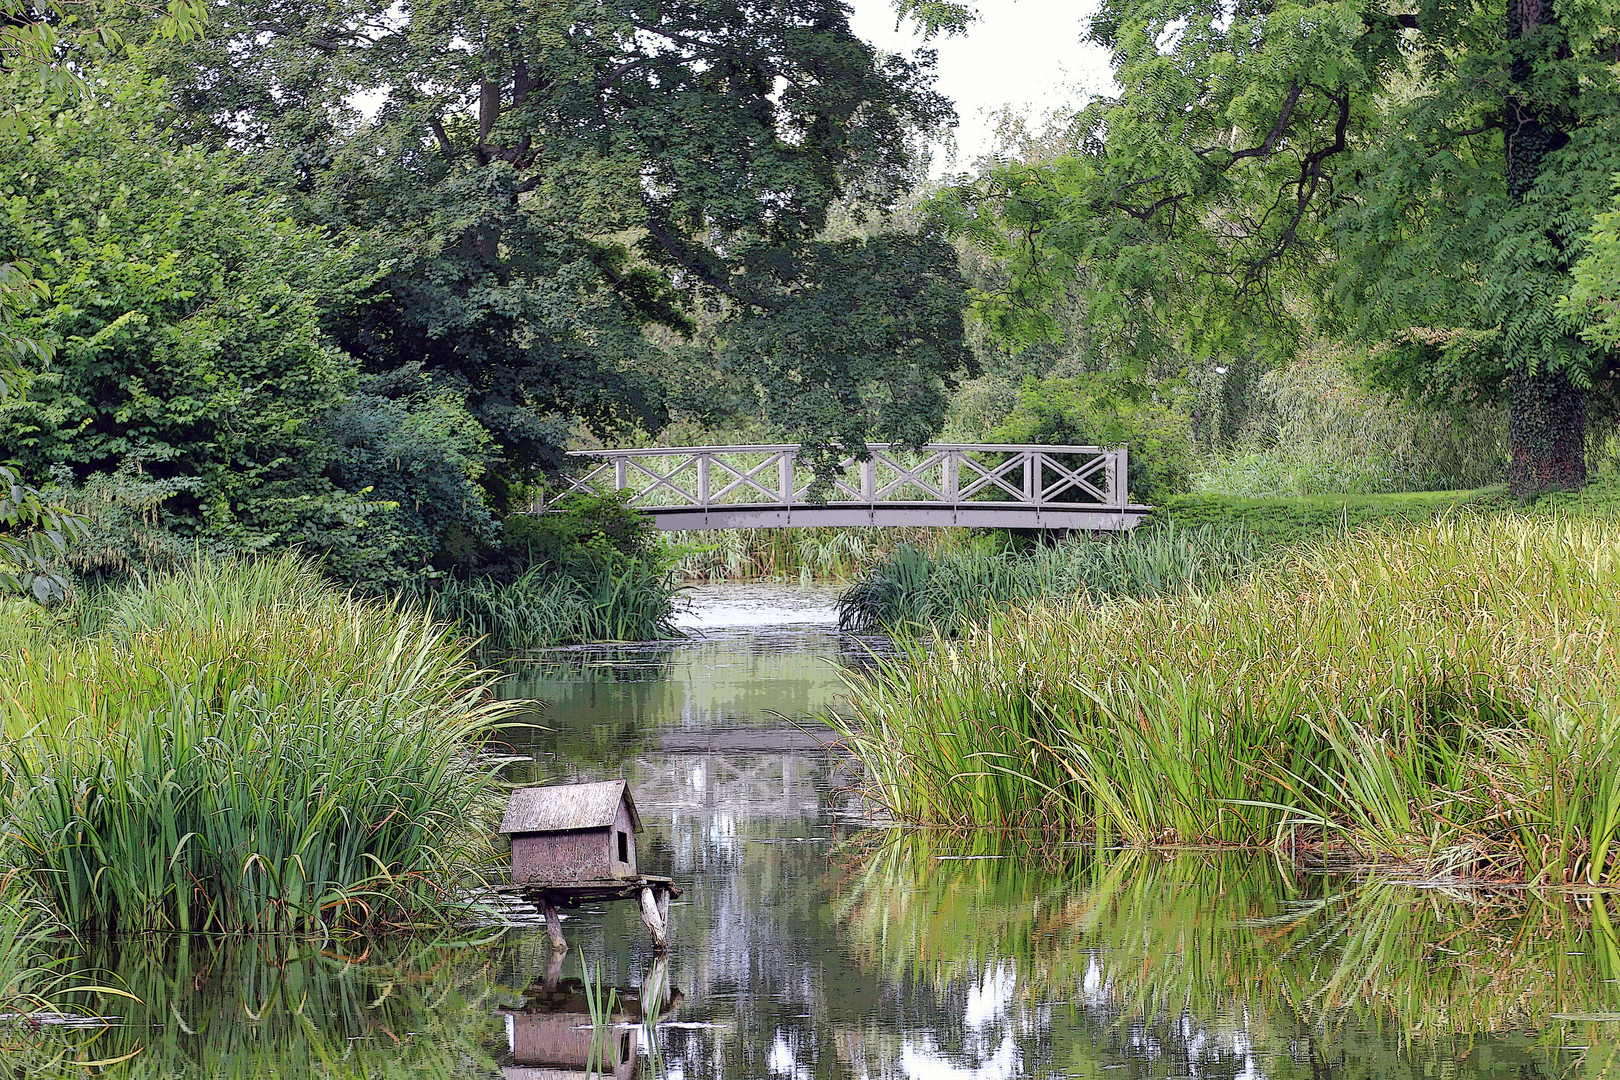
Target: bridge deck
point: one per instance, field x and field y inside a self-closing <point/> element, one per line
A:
<point x="966" y="484"/>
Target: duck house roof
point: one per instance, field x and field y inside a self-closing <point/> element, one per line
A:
<point x="565" y="807"/>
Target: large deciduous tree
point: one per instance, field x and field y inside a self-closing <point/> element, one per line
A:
<point x="545" y="179"/>
<point x="1425" y="173"/>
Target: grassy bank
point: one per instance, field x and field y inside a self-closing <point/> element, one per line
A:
<point x="1444" y="695"/>
<point x="1276" y="522"/>
<point x="944" y="591"/>
<point x="240" y="747"/>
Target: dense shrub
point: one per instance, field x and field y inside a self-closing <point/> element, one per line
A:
<point x="581" y="529"/>
<point x="194" y="401"/>
<point x="1313" y="429"/>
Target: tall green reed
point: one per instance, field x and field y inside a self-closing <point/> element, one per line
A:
<point x="233" y="754"/>
<point x="1443" y="695"/>
<point x="601" y="1003"/>
<point x="617" y="600"/>
<point x="942" y="591"/>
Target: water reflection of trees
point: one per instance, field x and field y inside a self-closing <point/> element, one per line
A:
<point x="273" y="1008"/>
<point x="1205" y="964"/>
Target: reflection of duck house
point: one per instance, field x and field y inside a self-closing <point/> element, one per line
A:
<point x="577" y="842"/>
<point x="558" y="1046"/>
<point x="549" y="1035"/>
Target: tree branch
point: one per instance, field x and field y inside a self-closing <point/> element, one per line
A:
<point x="1277" y="130"/>
<point x="679" y="253"/>
<point x="445" y="146"/>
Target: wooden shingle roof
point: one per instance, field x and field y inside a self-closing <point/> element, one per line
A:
<point x="563" y="807"/>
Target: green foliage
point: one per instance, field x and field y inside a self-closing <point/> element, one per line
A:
<point x="1099" y="411"/>
<point x="1310" y="429"/>
<point x="582" y="529"/>
<point x="1594" y="296"/>
<point x="946" y="592"/>
<point x="1446" y="697"/>
<point x="862" y="339"/>
<point x="46" y="44"/>
<point x="35" y="535"/>
<point x="194" y="399"/>
<point x="243" y="748"/>
<point x="417" y="456"/>
<point x="182" y="341"/>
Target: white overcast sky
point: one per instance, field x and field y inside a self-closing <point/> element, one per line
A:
<point x="1023" y="53"/>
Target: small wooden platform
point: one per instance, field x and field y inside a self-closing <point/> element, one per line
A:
<point x="652" y="892"/>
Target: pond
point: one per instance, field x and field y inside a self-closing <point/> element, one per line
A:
<point x="813" y="941"/>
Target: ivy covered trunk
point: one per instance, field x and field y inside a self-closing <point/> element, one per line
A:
<point x="1546" y="410"/>
<point x="1546" y="433"/>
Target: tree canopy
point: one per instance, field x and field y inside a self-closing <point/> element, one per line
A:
<point x="543" y="182"/>
<point x="1424" y="177"/>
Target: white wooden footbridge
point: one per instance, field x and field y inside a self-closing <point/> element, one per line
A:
<point x="979" y="484"/>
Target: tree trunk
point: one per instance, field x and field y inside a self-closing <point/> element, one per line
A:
<point x="1546" y="433"/>
<point x="1546" y="412"/>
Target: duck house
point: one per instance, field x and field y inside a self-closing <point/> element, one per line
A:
<point x="573" y="843"/>
<point x="568" y="833"/>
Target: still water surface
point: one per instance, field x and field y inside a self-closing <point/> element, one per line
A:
<point x="814" y="942"/>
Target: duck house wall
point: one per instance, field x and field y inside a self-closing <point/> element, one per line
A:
<point x="622" y="825"/>
<point x="559" y="857"/>
<point x="553" y="858"/>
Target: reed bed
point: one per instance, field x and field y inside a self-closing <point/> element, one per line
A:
<point x="240" y="748"/>
<point x="1445" y="696"/>
<point x="618" y="600"/>
<point x="943" y="592"/>
<point x="802" y="554"/>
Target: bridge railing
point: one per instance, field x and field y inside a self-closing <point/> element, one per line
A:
<point x="983" y="475"/>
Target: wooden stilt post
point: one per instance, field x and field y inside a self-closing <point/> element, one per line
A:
<point x="654" y="919"/>
<point x="663" y="906"/>
<point x="554" y="927"/>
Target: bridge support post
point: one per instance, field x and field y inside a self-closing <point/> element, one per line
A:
<point x="784" y="476"/>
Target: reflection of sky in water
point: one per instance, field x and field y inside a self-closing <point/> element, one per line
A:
<point x="806" y="948"/>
